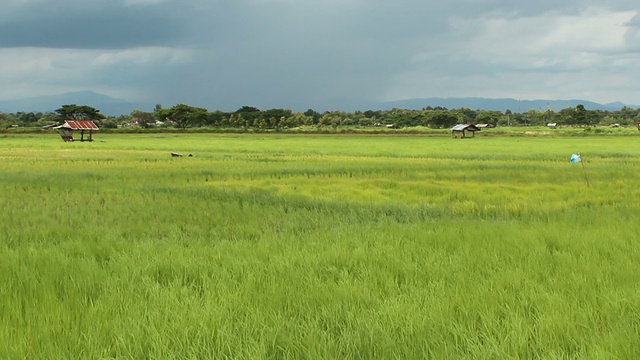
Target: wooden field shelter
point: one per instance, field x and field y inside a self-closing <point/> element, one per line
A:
<point x="66" y="130"/>
<point x="460" y="130"/>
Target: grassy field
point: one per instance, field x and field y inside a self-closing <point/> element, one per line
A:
<point x="319" y="247"/>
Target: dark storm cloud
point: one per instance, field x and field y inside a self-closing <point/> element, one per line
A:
<point x="92" y="26"/>
<point x="90" y="33"/>
<point x="308" y="53"/>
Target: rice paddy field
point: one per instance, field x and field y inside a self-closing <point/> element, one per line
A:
<point x="279" y="246"/>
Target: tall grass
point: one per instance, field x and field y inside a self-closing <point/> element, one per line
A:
<point x="318" y="246"/>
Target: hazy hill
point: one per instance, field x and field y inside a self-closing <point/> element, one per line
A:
<point x="515" y="105"/>
<point x="112" y="106"/>
<point x="106" y="104"/>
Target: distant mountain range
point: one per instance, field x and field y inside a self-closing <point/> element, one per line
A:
<point x="115" y="107"/>
<point x="515" y="105"/>
<point x="106" y="104"/>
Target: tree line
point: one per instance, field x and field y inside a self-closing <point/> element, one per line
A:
<point x="249" y="117"/>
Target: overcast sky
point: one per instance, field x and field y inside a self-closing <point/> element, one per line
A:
<point x="299" y="54"/>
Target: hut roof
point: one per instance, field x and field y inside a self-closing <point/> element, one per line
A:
<point x="78" y="125"/>
<point x="461" y="127"/>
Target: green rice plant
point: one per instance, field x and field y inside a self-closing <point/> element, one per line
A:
<point x="318" y="246"/>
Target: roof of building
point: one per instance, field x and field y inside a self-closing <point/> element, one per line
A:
<point x="461" y="127"/>
<point x="78" y="125"/>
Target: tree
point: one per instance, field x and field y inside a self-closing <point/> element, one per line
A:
<point x="48" y="119"/>
<point x="296" y="120"/>
<point x="143" y="118"/>
<point x="371" y="114"/>
<point x="547" y="117"/>
<point x="468" y="114"/>
<point x="567" y="116"/>
<point x="276" y="113"/>
<point x="184" y="115"/>
<point x="487" y="117"/>
<point x="28" y="118"/>
<point x="249" y="113"/>
<point x="314" y="115"/>
<point x="443" y="118"/>
<point x="79" y="112"/>
<point x="529" y="117"/>
<point x="240" y="121"/>
<point x="580" y="115"/>
<point x="325" y="120"/>
<point x="110" y="122"/>
<point x="215" y="118"/>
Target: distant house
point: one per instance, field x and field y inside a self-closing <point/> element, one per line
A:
<point x="461" y="129"/>
<point x="66" y="129"/>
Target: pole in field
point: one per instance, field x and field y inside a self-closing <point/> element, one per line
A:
<point x="575" y="158"/>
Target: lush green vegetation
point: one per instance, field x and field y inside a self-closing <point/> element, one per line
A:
<point x="319" y="246"/>
<point x="249" y="118"/>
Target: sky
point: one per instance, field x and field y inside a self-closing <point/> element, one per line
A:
<point x="320" y="54"/>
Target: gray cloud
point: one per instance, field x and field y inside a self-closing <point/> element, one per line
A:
<point x="304" y="53"/>
<point x="89" y="33"/>
<point x="91" y="25"/>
